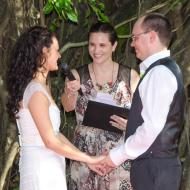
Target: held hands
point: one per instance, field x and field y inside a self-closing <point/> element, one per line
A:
<point x="95" y="165"/>
<point x="118" y="122"/>
<point x="104" y="166"/>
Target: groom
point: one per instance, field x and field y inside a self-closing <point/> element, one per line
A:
<point x="157" y="111"/>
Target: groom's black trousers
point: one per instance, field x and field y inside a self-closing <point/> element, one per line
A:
<point x="156" y="174"/>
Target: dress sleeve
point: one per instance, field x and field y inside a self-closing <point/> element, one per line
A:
<point x="30" y="90"/>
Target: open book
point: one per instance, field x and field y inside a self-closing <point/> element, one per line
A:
<point x="98" y="115"/>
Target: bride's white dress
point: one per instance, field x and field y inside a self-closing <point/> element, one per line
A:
<point x="40" y="168"/>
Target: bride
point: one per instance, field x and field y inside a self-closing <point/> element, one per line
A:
<point x="42" y="147"/>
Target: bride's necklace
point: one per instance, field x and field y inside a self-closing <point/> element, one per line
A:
<point x="99" y="86"/>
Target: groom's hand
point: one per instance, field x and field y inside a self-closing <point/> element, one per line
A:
<point x="108" y="164"/>
<point x="103" y="167"/>
<point x="98" y="168"/>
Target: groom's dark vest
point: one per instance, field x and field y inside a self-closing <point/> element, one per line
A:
<point x="165" y="145"/>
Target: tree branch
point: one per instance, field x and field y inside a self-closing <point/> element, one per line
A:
<point x="42" y="17"/>
<point x="5" y="20"/>
<point x="181" y="51"/>
<point x="9" y="162"/>
<point x="72" y="45"/>
<point x="84" y="43"/>
<point x="148" y="11"/>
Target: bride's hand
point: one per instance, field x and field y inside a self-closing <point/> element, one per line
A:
<point x="97" y="164"/>
<point x="98" y="168"/>
<point x="104" y="166"/>
<point x="96" y="159"/>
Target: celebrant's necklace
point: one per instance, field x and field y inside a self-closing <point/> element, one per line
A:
<point x="99" y="86"/>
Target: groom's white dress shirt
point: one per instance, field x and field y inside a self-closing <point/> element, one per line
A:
<point x="156" y="91"/>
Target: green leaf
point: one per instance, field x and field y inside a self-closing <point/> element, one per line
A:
<point x="123" y="30"/>
<point x="101" y="6"/>
<point x="63" y="14"/>
<point x="93" y="1"/>
<point x="94" y="8"/>
<point x="69" y="2"/>
<point x="72" y="16"/>
<point x="48" y="8"/>
<point x="87" y="13"/>
<point x="60" y="6"/>
<point x="53" y="26"/>
<point x="66" y="10"/>
<point x="62" y="3"/>
<point x="102" y="17"/>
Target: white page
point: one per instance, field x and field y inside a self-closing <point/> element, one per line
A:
<point x="105" y="98"/>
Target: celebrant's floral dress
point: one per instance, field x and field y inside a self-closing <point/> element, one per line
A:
<point x="95" y="141"/>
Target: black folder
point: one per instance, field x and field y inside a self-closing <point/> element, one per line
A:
<point x="98" y="115"/>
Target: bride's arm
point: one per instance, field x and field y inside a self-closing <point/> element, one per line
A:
<point x="39" y="109"/>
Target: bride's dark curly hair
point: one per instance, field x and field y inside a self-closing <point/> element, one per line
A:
<point x="26" y="59"/>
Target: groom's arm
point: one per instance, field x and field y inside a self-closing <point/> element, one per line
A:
<point x="156" y="101"/>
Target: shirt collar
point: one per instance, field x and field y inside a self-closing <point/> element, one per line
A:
<point x="153" y="58"/>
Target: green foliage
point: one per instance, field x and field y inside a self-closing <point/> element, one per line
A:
<point x="48" y="8"/>
<point x="68" y="10"/>
<point x="175" y="3"/>
<point x="123" y="30"/>
<point x="98" y="7"/>
<point x="63" y="8"/>
<point x="54" y="24"/>
<point x="16" y="188"/>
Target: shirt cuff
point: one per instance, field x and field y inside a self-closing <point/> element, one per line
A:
<point x="118" y="155"/>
